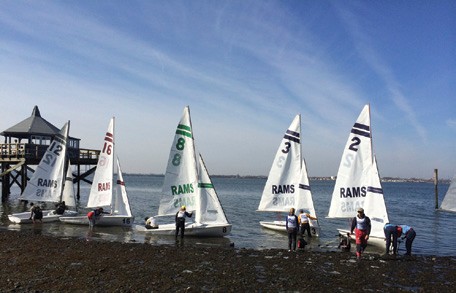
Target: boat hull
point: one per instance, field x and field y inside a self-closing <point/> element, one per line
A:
<point x="281" y="227"/>
<point x="105" y="220"/>
<point x="373" y="240"/>
<point x="191" y="229"/>
<point x="48" y="216"/>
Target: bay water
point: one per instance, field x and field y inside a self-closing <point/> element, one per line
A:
<point x="409" y="203"/>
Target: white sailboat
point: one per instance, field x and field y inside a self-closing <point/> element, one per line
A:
<point x="287" y="185"/>
<point x="358" y="182"/>
<point x="449" y="201"/>
<point x="48" y="180"/>
<point x="101" y="192"/>
<point x="188" y="183"/>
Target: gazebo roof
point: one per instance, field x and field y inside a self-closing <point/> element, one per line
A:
<point x="33" y="125"/>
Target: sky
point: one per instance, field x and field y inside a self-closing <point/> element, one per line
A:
<point x="245" y="68"/>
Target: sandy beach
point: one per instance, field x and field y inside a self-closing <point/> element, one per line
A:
<point x="33" y="262"/>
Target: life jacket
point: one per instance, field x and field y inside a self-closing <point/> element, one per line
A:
<point x="361" y="224"/>
<point x="90" y="214"/>
<point x="292" y="223"/>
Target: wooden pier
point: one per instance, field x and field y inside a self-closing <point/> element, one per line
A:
<point x="16" y="157"/>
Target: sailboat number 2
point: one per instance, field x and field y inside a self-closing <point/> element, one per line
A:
<point x="355" y="144"/>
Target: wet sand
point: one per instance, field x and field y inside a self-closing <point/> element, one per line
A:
<point x="31" y="262"/>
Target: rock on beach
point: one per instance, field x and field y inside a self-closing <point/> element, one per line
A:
<point x="41" y="263"/>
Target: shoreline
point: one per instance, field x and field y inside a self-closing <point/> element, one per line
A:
<point x="45" y="263"/>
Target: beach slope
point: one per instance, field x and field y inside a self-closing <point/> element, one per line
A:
<point x="31" y="262"/>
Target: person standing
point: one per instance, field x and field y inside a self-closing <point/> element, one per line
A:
<point x="409" y="234"/>
<point x="304" y="222"/>
<point x="362" y="226"/>
<point x="180" y="220"/>
<point x="391" y="231"/>
<point x="292" y="229"/>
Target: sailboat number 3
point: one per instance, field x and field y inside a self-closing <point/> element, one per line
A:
<point x="285" y="151"/>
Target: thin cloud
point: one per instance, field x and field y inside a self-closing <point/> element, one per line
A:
<point x="451" y="123"/>
<point x="371" y="56"/>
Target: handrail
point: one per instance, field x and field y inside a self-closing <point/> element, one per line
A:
<point x="18" y="151"/>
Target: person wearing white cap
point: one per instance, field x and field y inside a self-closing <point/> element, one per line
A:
<point x="362" y="226"/>
<point x="180" y="220"/>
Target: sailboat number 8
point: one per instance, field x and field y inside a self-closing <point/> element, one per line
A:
<point x="180" y="144"/>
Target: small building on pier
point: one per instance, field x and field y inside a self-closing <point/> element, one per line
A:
<point x="25" y="144"/>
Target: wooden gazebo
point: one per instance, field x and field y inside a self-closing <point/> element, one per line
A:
<point x="25" y="144"/>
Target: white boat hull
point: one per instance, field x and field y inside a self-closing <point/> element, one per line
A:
<point x="105" y="220"/>
<point x="281" y="226"/>
<point x="48" y="216"/>
<point x="191" y="229"/>
<point x="373" y="240"/>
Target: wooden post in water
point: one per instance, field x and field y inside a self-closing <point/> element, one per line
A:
<point x="436" y="189"/>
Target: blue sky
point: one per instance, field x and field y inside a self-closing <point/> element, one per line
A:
<point x="245" y="68"/>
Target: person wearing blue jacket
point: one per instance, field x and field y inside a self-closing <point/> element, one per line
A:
<point x="409" y="234"/>
<point x="391" y="231"/>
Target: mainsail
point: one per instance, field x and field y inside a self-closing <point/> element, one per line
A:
<point x="287" y="185"/>
<point x="358" y="181"/>
<point x="101" y="190"/>
<point x="449" y="201"/>
<point x="47" y="182"/>
<point x="283" y="183"/>
<point x="180" y="185"/>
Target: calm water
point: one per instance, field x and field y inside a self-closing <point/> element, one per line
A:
<point x="407" y="203"/>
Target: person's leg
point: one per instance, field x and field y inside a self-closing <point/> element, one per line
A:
<point x="290" y="239"/>
<point x="308" y="229"/>
<point x="358" y="242"/>
<point x="182" y="229"/>
<point x="294" y="239"/>
<point x="177" y="229"/>
<point x="388" y="240"/>
<point x="394" y="234"/>
<point x="408" y="243"/>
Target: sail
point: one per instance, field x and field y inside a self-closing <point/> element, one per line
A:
<point x="101" y="190"/>
<point x="180" y="185"/>
<point x="209" y="207"/>
<point x="449" y="201"/>
<point x="358" y="182"/>
<point x="68" y="189"/>
<point x="47" y="181"/>
<point x="304" y="199"/>
<point x="121" y="205"/>
<point x="283" y="183"/>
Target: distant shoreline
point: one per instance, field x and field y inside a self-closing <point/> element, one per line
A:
<point x="330" y="178"/>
